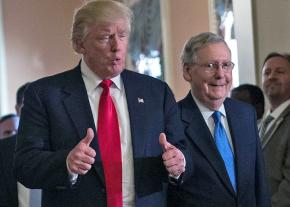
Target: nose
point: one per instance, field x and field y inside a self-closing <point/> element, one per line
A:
<point x="115" y="43"/>
<point x="219" y="71"/>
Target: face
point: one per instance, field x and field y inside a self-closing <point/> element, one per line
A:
<point x="276" y="79"/>
<point x="9" y="127"/>
<point x="104" y="48"/>
<point x="210" y="87"/>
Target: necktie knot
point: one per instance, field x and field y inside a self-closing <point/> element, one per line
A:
<point x="105" y="84"/>
<point x="265" y="125"/>
<point x="216" y="117"/>
<point x="268" y="119"/>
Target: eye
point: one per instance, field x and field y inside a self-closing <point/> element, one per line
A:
<point x="280" y="71"/>
<point x="211" y="65"/>
<point x="227" y="64"/>
<point x="104" y="37"/>
<point x="122" y="34"/>
<point x="266" y="72"/>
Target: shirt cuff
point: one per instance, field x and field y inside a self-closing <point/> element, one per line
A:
<point x="72" y="176"/>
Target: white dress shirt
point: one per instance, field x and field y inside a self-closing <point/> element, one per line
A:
<point x="207" y="116"/>
<point x="276" y="113"/>
<point x="23" y="195"/>
<point x="118" y="95"/>
<point x="28" y="197"/>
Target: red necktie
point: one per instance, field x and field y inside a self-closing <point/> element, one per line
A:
<point x="110" y="147"/>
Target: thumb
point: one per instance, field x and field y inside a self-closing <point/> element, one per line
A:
<point x="89" y="136"/>
<point x="163" y="142"/>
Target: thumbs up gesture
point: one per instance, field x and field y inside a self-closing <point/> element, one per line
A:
<point x="82" y="156"/>
<point x="173" y="159"/>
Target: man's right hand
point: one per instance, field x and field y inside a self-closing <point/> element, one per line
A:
<point x="82" y="156"/>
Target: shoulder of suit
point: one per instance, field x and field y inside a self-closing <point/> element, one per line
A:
<point x="237" y="103"/>
<point x="238" y="107"/>
<point x="140" y="77"/>
<point x="71" y="75"/>
<point x="185" y="99"/>
<point x="286" y="113"/>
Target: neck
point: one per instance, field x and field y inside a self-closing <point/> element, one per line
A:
<point x="276" y="102"/>
<point x="214" y="105"/>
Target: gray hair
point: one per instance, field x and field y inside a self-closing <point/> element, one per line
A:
<point x="191" y="47"/>
<point x="97" y="11"/>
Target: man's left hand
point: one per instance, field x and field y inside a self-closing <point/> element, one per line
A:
<point x="173" y="158"/>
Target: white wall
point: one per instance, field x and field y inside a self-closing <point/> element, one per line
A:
<point x="3" y="83"/>
<point x="272" y="30"/>
<point x="180" y="20"/>
<point x="37" y="43"/>
<point x="245" y="40"/>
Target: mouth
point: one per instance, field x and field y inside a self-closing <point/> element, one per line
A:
<point x="115" y="60"/>
<point x="217" y="85"/>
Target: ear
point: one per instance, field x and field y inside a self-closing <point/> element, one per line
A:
<point x="186" y="72"/>
<point x="80" y="47"/>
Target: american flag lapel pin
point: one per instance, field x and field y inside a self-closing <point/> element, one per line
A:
<point x="140" y="100"/>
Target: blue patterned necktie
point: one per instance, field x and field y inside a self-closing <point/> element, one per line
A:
<point x="224" y="147"/>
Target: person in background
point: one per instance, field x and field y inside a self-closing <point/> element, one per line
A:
<point x="8" y="184"/>
<point x="275" y="130"/>
<point x="12" y="193"/>
<point x="252" y="95"/>
<point x="228" y="168"/>
<point x="8" y="125"/>
<point x="100" y="135"/>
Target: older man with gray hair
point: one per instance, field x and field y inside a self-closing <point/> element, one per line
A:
<point x="228" y="168"/>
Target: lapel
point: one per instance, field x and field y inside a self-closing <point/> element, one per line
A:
<point x="274" y="127"/>
<point x="135" y="90"/>
<point x="243" y="141"/>
<point x="196" y="129"/>
<point x="78" y="108"/>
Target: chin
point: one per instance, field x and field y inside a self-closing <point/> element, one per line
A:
<point x="116" y="71"/>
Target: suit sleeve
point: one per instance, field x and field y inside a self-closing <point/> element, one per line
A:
<point x="282" y="196"/>
<point x="36" y="164"/>
<point x="175" y="131"/>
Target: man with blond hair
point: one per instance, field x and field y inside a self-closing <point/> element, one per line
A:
<point x="100" y="135"/>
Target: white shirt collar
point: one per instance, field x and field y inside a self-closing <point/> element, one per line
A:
<point x="278" y="111"/>
<point x="206" y="112"/>
<point x="92" y="80"/>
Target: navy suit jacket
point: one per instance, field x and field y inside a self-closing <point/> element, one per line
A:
<point x="8" y="184"/>
<point x="55" y="117"/>
<point x="210" y="184"/>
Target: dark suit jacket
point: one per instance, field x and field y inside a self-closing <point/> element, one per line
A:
<point x="55" y="117"/>
<point x="8" y="184"/>
<point x="210" y="185"/>
<point x="276" y="149"/>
